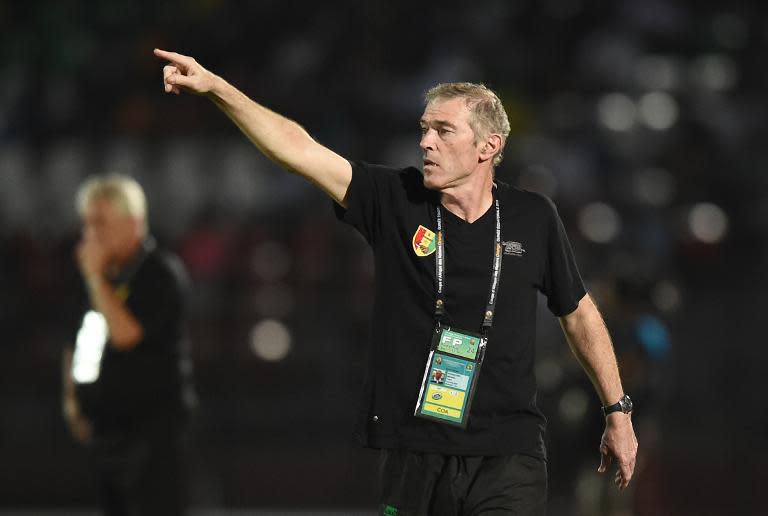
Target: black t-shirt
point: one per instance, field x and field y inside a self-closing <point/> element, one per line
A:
<point x="387" y="206"/>
<point x="153" y="379"/>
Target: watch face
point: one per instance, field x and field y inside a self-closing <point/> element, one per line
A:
<point x="626" y="404"/>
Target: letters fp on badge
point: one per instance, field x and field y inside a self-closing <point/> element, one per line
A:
<point x="450" y="377"/>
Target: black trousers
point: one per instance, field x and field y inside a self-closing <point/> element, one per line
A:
<point x="427" y="484"/>
<point x="138" y="468"/>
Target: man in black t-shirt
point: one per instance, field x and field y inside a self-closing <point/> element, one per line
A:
<point x="126" y="379"/>
<point x="450" y="396"/>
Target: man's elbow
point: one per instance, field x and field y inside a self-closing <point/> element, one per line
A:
<point x="583" y="311"/>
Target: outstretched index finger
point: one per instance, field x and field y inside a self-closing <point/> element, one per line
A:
<point x="173" y="57"/>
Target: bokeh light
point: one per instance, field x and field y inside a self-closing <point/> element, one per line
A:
<point x="617" y="112"/>
<point x="538" y="178"/>
<point x="656" y="72"/>
<point x="658" y="110"/>
<point x="654" y="186"/>
<point x="549" y="374"/>
<point x="573" y="405"/>
<point x="666" y="296"/>
<point x="270" y="340"/>
<point x="716" y="72"/>
<point x="708" y="222"/>
<point x="599" y="222"/>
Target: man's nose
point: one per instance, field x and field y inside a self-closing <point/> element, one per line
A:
<point x="427" y="142"/>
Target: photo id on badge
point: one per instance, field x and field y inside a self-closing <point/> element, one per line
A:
<point x="450" y="376"/>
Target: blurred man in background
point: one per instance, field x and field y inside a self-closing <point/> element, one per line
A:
<point x="126" y="381"/>
<point x="448" y="456"/>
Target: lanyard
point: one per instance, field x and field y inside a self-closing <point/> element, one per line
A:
<point x="490" y="307"/>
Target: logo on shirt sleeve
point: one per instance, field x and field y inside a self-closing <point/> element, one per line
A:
<point x="423" y="241"/>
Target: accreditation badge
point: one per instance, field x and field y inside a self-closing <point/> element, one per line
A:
<point x="450" y="378"/>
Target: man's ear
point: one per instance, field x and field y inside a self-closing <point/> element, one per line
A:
<point x="491" y="147"/>
<point x="138" y="227"/>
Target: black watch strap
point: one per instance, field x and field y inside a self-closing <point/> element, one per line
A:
<point x="624" y="405"/>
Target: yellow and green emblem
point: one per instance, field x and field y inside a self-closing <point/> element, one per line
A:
<point x="423" y="241"/>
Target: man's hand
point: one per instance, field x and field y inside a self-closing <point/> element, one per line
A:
<point x="620" y="444"/>
<point x="92" y="259"/>
<point x="184" y="73"/>
<point x="79" y="426"/>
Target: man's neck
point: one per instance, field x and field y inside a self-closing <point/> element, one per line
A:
<point x="470" y="200"/>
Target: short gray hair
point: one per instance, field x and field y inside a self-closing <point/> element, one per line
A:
<point x="123" y="191"/>
<point x="486" y="112"/>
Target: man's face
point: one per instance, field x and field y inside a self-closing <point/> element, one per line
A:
<point x="117" y="233"/>
<point x="448" y="144"/>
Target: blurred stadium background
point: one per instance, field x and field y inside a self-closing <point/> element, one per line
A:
<point x="645" y="120"/>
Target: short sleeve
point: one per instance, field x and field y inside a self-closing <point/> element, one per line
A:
<point x="562" y="282"/>
<point x="368" y="200"/>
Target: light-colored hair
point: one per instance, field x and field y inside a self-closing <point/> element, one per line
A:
<point x="486" y="112"/>
<point x="123" y="191"/>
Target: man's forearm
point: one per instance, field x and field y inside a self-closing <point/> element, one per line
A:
<point x="67" y="386"/>
<point x="590" y="342"/>
<point x="283" y="141"/>
<point x="69" y="404"/>
<point x="125" y="331"/>
<point x="277" y="137"/>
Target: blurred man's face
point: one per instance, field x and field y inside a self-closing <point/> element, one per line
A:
<point x="448" y="144"/>
<point x="117" y="233"/>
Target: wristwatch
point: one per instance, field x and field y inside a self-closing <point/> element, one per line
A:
<point x="623" y="405"/>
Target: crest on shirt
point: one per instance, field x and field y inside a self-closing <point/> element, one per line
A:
<point x="123" y="292"/>
<point x="423" y="241"/>
<point x="513" y="248"/>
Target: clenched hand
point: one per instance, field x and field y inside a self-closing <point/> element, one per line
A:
<point x="183" y="73"/>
